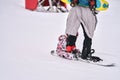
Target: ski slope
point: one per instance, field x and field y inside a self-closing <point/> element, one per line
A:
<point x="27" y="37"/>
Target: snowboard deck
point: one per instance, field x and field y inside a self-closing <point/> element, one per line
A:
<point x="100" y="63"/>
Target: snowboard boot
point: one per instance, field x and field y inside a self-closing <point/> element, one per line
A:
<point x="70" y="43"/>
<point x="86" y="47"/>
<point x="87" y="51"/>
<point x="84" y="54"/>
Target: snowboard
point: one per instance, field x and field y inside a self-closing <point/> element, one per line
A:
<point x="69" y="56"/>
<point x="75" y="54"/>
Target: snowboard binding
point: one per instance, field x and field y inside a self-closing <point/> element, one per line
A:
<point x="61" y="49"/>
<point x="93" y="58"/>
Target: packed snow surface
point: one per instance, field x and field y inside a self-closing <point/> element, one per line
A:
<point x="27" y="37"/>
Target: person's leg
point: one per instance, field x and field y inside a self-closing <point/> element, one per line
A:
<point x="88" y="23"/>
<point x="73" y="23"/>
<point x="87" y="43"/>
<point x="72" y="27"/>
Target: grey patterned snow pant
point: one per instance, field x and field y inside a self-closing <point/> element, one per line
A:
<point x="78" y="15"/>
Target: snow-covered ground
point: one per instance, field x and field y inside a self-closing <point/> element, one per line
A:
<point x="26" y="38"/>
